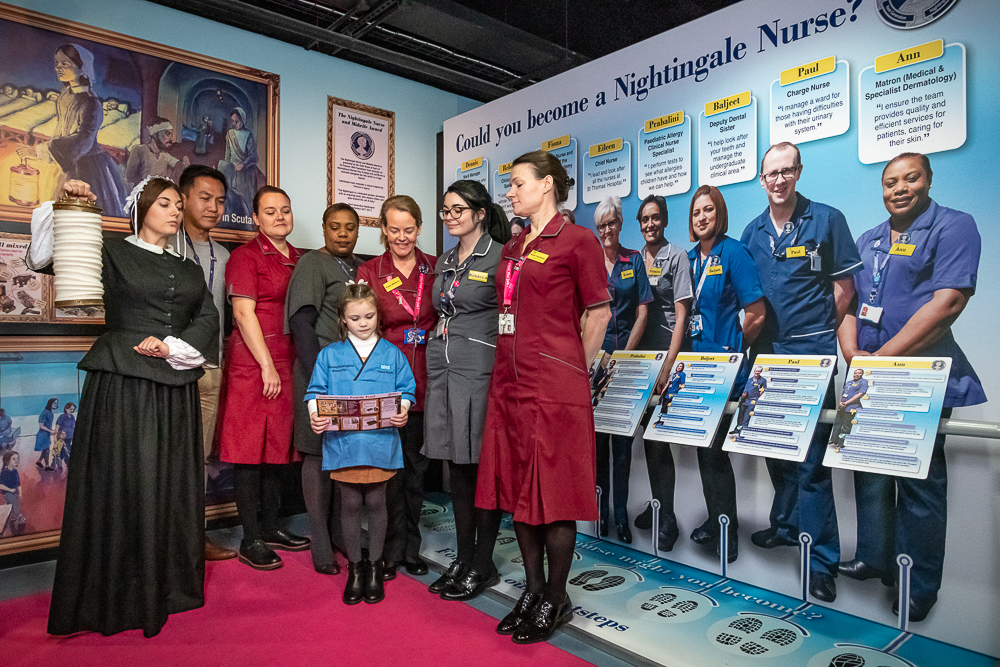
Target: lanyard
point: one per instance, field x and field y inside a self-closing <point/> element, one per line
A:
<point x="513" y="271"/>
<point x="416" y="306"/>
<point x="347" y="269"/>
<point x="701" y="282"/>
<point x="878" y="272"/>
<point x="211" y="269"/>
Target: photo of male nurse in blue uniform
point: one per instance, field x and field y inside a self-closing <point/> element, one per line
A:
<point x="850" y="400"/>
<point x="806" y="259"/>
<point x="920" y="271"/>
<point x="752" y="392"/>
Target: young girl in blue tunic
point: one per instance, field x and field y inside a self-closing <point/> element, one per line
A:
<point x="361" y="462"/>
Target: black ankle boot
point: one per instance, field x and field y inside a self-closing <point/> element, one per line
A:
<point x="374" y="584"/>
<point x="354" y="590"/>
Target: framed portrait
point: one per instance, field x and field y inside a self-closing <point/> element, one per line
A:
<point x="361" y="157"/>
<point x="25" y="296"/>
<point x="40" y="384"/>
<point x="109" y="109"/>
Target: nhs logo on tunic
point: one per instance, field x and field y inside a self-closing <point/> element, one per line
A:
<point x="386" y="367"/>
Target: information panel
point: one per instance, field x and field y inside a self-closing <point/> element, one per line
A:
<point x="780" y="405"/>
<point x="695" y="399"/>
<point x="888" y="414"/>
<point x="622" y="390"/>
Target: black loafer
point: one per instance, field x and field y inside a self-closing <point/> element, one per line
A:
<point x="644" y="520"/>
<point x="918" y="609"/>
<point x="703" y="536"/>
<point x="389" y="569"/>
<point x="374" y="584"/>
<point x="624" y="533"/>
<point x="259" y="556"/>
<point x="823" y="587"/>
<point x="329" y="568"/>
<point x="354" y="588"/>
<point x="543" y="621"/>
<point x="768" y="539"/>
<point x="416" y="566"/>
<point x="470" y="585"/>
<point x="282" y="539"/>
<point x="512" y="621"/>
<point x="455" y="571"/>
<point x="860" y="570"/>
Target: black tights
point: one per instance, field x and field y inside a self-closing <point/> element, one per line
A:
<point x="352" y="497"/>
<point x="257" y="488"/>
<point x="556" y="540"/>
<point x="317" y="490"/>
<point x="476" y="529"/>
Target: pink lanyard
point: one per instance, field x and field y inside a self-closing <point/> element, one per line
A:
<point x="513" y="271"/>
<point x="420" y="295"/>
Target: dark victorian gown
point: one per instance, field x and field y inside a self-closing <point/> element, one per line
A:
<point x="132" y="545"/>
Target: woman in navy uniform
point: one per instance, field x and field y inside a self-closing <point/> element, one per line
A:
<point x="460" y="357"/>
<point x="630" y="294"/>
<point x="921" y="267"/>
<point x="669" y="273"/>
<point x="725" y="282"/>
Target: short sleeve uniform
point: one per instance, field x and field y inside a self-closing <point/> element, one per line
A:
<point x="946" y="254"/>
<point x="340" y="371"/>
<point x="629" y="289"/>
<point x="538" y="459"/>
<point x="396" y="319"/>
<point x="43" y="439"/>
<point x="725" y="283"/>
<point x="670" y="279"/>
<point x="797" y="269"/>
<point x="460" y="353"/>
<point x="253" y="429"/>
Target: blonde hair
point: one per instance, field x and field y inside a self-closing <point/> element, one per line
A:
<point x="404" y="203"/>
<point x="353" y="294"/>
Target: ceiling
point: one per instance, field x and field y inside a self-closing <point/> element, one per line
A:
<point x="482" y="49"/>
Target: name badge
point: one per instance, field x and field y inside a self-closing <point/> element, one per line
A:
<point x="715" y="270"/>
<point x="506" y="327"/>
<point x="392" y="284"/>
<point x="478" y="276"/>
<point x="440" y="330"/>
<point x="871" y="314"/>
<point x="627" y="274"/>
<point x="902" y="249"/>
<point x="414" y="336"/>
<point x="797" y="251"/>
<point x="536" y="256"/>
<point x="655" y="271"/>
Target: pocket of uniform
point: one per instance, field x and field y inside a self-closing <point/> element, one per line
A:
<point x="482" y="342"/>
<point x="566" y="363"/>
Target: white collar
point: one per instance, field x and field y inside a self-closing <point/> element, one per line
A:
<point x="145" y="245"/>
<point x="364" y="347"/>
<point x="79" y="89"/>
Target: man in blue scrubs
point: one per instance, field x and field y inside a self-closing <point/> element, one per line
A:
<point x="806" y="258"/>
<point x="920" y="270"/>
<point x="850" y="400"/>
<point x="755" y="387"/>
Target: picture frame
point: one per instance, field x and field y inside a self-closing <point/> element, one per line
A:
<point x="216" y="112"/>
<point x="361" y="157"/>
<point x="33" y="371"/>
<point x="25" y="296"/>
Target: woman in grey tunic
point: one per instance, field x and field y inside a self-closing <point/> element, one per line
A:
<point x="312" y="316"/>
<point x="669" y="274"/>
<point x="459" y="365"/>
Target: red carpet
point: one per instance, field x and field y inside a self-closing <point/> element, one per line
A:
<point x="290" y="616"/>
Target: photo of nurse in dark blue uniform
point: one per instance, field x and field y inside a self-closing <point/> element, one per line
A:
<point x="726" y="283"/>
<point x="847" y="409"/>
<point x="806" y="259"/>
<point x="630" y="292"/>
<point x="920" y="270"/>
<point x="753" y="389"/>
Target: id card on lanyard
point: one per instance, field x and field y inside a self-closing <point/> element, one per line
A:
<point x="872" y="311"/>
<point x="712" y="267"/>
<point x="506" y="323"/>
<point x="413" y="336"/>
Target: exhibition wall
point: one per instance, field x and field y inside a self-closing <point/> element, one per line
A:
<point x="307" y="78"/>
<point x="853" y="83"/>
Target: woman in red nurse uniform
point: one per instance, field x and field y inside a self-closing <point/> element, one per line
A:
<point x="256" y="404"/>
<point x="538" y="458"/>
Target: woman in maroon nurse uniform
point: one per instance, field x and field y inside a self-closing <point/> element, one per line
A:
<point x="538" y="457"/>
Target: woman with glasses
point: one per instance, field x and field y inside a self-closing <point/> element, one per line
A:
<point x="669" y="274"/>
<point x="726" y="282"/>
<point x="403" y="279"/>
<point x="459" y="366"/>
<point x="630" y="292"/>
